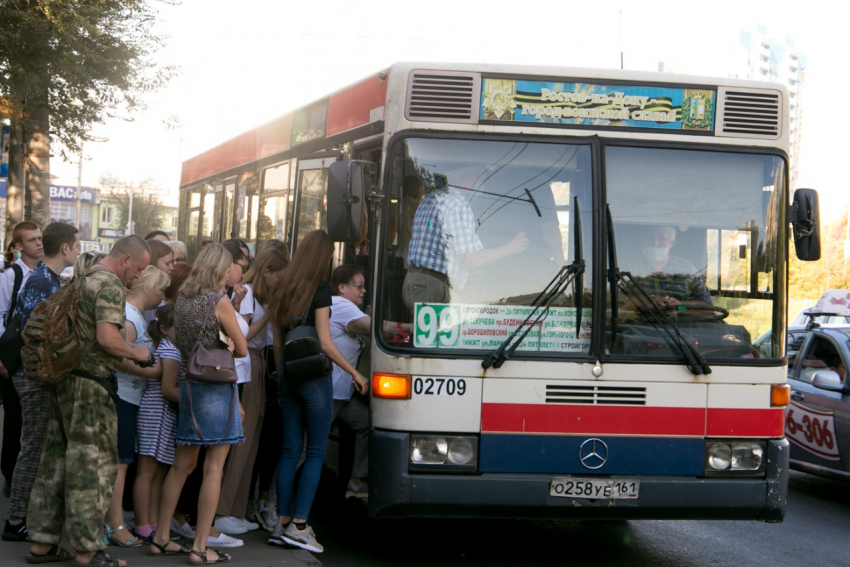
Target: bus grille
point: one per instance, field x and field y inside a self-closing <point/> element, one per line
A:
<point x="595" y="395"/>
<point x="749" y="112"/>
<point x="443" y="96"/>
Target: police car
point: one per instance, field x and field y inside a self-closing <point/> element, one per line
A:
<point x="817" y="421"/>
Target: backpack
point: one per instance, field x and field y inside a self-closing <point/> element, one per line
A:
<point x="303" y="357"/>
<point x="52" y="351"/>
<point x="16" y="288"/>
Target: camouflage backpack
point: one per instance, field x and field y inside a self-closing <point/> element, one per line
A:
<point x="51" y="350"/>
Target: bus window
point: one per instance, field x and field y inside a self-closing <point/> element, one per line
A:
<point x="272" y="220"/>
<point x="690" y="229"/>
<point x="312" y="196"/>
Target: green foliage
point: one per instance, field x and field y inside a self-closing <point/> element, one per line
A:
<point x="85" y="60"/>
<point x="808" y="280"/>
<point x="148" y="211"/>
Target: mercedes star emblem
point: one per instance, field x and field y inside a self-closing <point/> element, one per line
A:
<point x="593" y="453"/>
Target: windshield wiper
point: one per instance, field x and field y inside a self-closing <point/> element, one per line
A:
<point x="570" y="274"/>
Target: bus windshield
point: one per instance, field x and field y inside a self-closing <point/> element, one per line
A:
<point x="696" y="232"/>
<point x="476" y="230"/>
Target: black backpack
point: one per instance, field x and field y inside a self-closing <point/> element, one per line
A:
<point x="303" y="358"/>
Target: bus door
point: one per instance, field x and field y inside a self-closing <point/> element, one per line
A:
<point x="311" y="189"/>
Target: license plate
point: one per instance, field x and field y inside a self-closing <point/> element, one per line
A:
<point x="604" y="489"/>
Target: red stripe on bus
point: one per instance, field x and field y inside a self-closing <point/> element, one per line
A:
<point x="733" y="422"/>
<point x="593" y="420"/>
<point x="351" y="108"/>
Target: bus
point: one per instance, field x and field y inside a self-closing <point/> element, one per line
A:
<point x="566" y="269"/>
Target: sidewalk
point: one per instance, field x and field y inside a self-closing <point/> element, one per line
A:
<point x="256" y="552"/>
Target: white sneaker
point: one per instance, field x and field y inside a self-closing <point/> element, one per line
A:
<point x="305" y="539"/>
<point x="248" y="525"/>
<point x="277" y="537"/>
<point x="357" y="490"/>
<point x="224" y="540"/>
<point x="185" y="530"/>
<point x="230" y="525"/>
<point x="268" y="516"/>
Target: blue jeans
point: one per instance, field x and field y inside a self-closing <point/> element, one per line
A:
<point x="306" y="406"/>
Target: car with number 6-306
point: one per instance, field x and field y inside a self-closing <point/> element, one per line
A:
<point x="817" y="421"/>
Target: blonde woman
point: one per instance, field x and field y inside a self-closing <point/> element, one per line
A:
<point x="212" y="419"/>
<point x="146" y="292"/>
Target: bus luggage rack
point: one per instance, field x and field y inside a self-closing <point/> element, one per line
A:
<point x="595" y="395"/>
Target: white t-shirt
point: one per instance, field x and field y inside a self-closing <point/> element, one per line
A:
<point x="255" y="310"/>
<point x="350" y="345"/>
<point x="243" y="365"/>
<point x="131" y="388"/>
<point x="7" y="284"/>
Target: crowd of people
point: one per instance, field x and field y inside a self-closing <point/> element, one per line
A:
<point x="209" y="456"/>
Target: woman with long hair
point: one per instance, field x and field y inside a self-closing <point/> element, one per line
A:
<point x="208" y="413"/>
<point x="306" y="405"/>
<point x="258" y="283"/>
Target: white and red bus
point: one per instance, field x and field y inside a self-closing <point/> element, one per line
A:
<point x="573" y="264"/>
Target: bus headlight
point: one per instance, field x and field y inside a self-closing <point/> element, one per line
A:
<point x="734" y="457"/>
<point x="443" y="452"/>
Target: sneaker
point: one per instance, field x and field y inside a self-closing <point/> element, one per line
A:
<point x="277" y="536"/>
<point x="185" y="530"/>
<point x="230" y="525"/>
<point x="15" y="533"/>
<point x="357" y="490"/>
<point x="224" y="540"/>
<point x="268" y="516"/>
<point x="305" y="539"/>
<point x="253" y="512"/>
<point x="248" y="525"/>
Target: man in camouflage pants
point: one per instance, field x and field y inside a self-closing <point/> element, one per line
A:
<point x="80" y="460"/>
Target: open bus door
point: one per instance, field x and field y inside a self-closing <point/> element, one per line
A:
<point x="311" y="188"/>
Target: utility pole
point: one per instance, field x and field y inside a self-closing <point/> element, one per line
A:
<point x="80" y="195"/>
<point x="130" y="227"/>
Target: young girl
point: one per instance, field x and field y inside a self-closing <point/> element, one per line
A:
<point x="157" y="424"/>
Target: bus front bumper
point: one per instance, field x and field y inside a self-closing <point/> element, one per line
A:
<point x="394" y="492"/>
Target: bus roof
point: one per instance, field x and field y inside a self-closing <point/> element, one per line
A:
<point x="362" y="104"/>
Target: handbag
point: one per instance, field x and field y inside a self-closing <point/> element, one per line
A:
<point x="303" y="356"/>
<point x="215" y="366"/>
<point x="210" y="366"/>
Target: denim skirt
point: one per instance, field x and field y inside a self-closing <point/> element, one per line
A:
<point x="211" y="404"/>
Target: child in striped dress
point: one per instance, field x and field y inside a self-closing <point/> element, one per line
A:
<point x="157" y="424"/>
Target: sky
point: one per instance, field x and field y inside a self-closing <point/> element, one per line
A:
<point x="245" y="63"/>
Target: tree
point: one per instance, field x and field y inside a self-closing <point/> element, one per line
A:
<point x="65" y="65"/>
<point x="148" y="212"/>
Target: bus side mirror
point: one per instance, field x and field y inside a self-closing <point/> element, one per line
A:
<point x="805" y="224"/>
<point x="348" y="182"/>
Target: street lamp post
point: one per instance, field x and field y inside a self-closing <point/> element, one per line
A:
<point x="130" y="226"/>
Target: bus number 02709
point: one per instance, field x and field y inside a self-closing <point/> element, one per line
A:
<point x="439" y="386"/>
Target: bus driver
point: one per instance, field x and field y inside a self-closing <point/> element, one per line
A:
<point x="444" y="246"/>
<point x="670" y="279"/>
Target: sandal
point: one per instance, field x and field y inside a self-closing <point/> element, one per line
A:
<point x="222" y="557"/>
<point x="55" y="553"/>
<point x="132" y="542"/>
<point x="100" y="559"/>
<point x="163" y="550"/>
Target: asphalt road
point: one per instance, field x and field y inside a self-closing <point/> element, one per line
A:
<point x="816" y="531"/>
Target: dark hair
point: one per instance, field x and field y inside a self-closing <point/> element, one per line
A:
<point x="153" y="233"/>
<point x="55" y="235"/>
<point x="179" y="274"/>
<point x="164" y="318"/>
<point x="344" y="274"/>
<point x="275" y="243"/>
<point x="298" y="284"/>
<point x="238" y="241"/>
<point x="235" y="251"/>
<point x="159" y="250"/>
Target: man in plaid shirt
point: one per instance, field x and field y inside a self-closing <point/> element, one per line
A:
<point x="444" y="246"/>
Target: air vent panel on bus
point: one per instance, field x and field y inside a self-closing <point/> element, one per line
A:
<point x="443" y="96"/>
<point x="595" y="395"/>
<point x="748" y="113"/>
